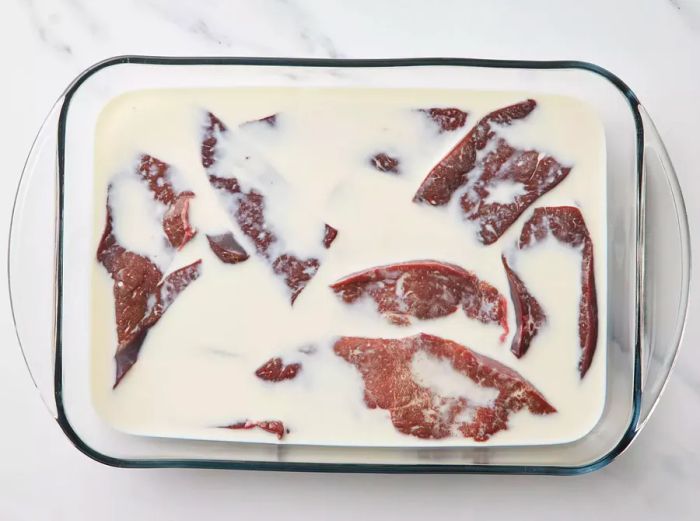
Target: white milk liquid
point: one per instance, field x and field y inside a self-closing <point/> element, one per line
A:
<point x="195" y="371"/>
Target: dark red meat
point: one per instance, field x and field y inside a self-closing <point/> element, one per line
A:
<point x="529" y="315"/>
<point x="176" y="223"/>
<point x="140" y="297"/>
<point x="417" y="410"/>
<point x="425" y="289"/>
<point x="270" y="120"/>
<point x="504" y="164"/>
<point x="452" y="171"/>
<point x="212" y="130"/>
<point x="448" y="119"/>
<point x="157" y="174"/>
<point x="385" y="163"/>
<point x="272" y="426"/>
<point x="249" y="212"/>
<point x="329" y="235"/>
<point x="274" y="370"/>
<point x="296" y="272"/>
<point x="566" y="224"/>
<point x="226" y="247"/>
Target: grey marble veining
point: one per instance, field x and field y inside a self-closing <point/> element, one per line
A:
<point x="317" y="41"/>
<point x="46" y="26"/>
<point x="205" y="24"/>
<point x="265" y="28"/>
<point x="689" y="12"/>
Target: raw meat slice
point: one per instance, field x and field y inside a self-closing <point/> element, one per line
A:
<point x="523" y="174"/>
<point x="272" y="426"/>
<point x="519" y="171"/>
<point x="274" y="370"/>
<point x="140" y="296"/>
<point x="248" y="209"/>
<point x="425" y="289"/>
<point x="176" y="223"/>
<point x="270" y="120"/>
<point x="448" y="119"/>
<point x="329" y="236"/>
<point x="452" y="171"/>
<point x="212" y="130"/>
<point x="157" y="174"/>
<point x="296" y="272"/>
<point x="567" y="225"/>
<point x="226" y="247"/>
<point x="387" y="369"/>
<point x="249" y="212"/>
<point x="529" y="315"/>
<point x="385" y="163"/>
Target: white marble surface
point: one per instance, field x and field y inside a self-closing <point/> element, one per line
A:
<point x="654" y="45"/>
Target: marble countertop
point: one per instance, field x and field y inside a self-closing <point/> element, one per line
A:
<point x="653" y="45"/>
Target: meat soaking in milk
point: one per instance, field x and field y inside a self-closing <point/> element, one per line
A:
<point x="369" y="267"/>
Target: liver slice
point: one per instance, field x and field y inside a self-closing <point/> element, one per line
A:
<point x="272" y="426"/>
<point x="385" y="163"/>
<point x="529" y="315"/>
<point x="140" y="297"/>
<point x="416" y="410"/>
<point x="275" y="370"/>
<point x="176" y="224"/>
<point x="329" y="235"/>
<point x="226" y="247"/>
<point x="424" y="290"/>
<point x="567" y="225"/>
<point x="463" y="166"/>
<point x="296" y="272"/>
<point x="249" y="212"/>
<point x="447" y="119"/>
<point x="270" y="121"/>
<point x="248" y="209"/>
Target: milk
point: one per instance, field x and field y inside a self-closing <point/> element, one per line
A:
<point x="195" y="371"/>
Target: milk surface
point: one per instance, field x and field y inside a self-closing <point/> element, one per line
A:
<point x="195" y="371"/>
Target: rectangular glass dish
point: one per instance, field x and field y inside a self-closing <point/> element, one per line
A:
<point x="646" y="300"/>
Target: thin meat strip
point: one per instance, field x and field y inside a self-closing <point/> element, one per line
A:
<point x="566" y="224"/>
<point x="529" y="315"/>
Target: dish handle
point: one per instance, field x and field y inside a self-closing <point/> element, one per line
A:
<point x="665" y="268"/>
<point x="32" y="254"/>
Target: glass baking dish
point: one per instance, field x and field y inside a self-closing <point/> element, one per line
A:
<point x="648" y="266"/>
